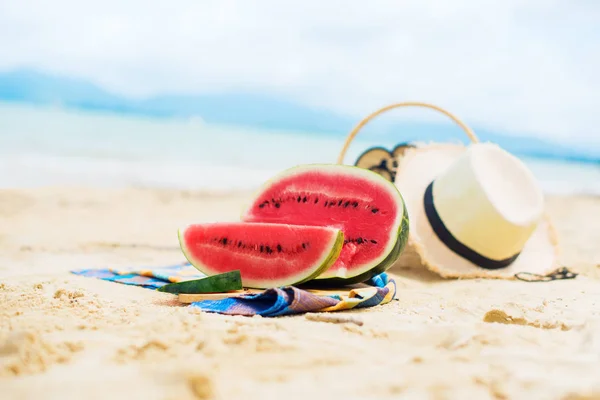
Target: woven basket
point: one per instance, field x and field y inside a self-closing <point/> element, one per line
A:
<point x="409" y="257"/>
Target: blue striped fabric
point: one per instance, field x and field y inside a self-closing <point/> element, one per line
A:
<point x="269" y="303"/>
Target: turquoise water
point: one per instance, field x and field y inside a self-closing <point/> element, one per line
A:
<point x="51" y="146"/>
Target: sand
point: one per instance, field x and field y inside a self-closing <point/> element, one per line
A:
<point x="68" y="337"/>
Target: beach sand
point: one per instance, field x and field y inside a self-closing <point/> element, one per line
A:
<point x="68" y="337"/>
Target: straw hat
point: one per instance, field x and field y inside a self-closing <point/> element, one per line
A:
<point x="475" y="211"/>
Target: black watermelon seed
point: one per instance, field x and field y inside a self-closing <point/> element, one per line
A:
<point x="269" y="250"/>
<point x="261" y="248"/>
<point x="326" y="202"/>
<point x="304" y="199"/>
<point x="316" y="201"/>
<point x="375" y="210"/>
<point x="224" y="240"/>
<point x="373" y="241"/>
<point x="304" y="245"/>
<point x="346" y="204"/>
<point x="279" y="249"/>
<point x="359" y="240"/>
<point x="277" y="205"/>
<point x="299" y="199"/>
<point x="355" y="204"/>
<point x="340" y="202"/>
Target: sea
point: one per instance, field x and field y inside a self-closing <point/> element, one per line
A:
<point x="49" y="146"/>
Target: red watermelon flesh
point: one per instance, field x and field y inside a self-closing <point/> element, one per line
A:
<point x="365" y="206"/>
<point x="267" y="255"/>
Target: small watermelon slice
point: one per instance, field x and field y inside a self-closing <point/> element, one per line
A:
<point x="225" y="282"/>
<point x="368" y="208"/>
<point x="267" y="255"/>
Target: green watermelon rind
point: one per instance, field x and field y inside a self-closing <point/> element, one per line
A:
<point x="335" y="248"/>
<point x="394" y="248"/>
<point x="224" y="282"/>
<point x="329" y="261"/>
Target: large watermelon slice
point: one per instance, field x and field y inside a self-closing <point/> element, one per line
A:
<point x="366" y="207"/>
<point x="267" y="255"/>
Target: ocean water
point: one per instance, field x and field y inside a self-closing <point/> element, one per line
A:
<point x="52" y="146"/>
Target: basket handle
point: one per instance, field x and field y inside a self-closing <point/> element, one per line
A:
<point x="368" y="118"/>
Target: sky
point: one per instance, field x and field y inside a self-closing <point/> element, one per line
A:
<point x="515" y="66"/>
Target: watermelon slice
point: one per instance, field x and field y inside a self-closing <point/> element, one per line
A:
<point x="365" y="206"/>
<point x="267" y="255"/>
<point x="225" y="282"/>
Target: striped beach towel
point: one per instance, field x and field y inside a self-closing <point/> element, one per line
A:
<point x="274" y="302"/>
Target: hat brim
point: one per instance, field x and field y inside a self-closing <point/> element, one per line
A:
<point x="416" y="169"/>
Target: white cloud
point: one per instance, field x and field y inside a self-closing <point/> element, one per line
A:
<point x="524" y="67"/>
